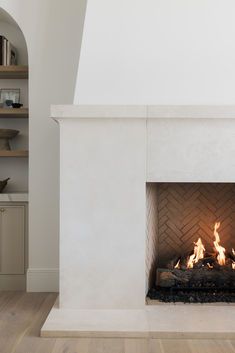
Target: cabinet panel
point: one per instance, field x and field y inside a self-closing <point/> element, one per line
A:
<point x="12" y="220"/>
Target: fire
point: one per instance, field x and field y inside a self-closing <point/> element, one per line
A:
<point x="220" y="250"/>
<point x="199" y="251"/>
<point x="197" y="255"/>
<point x="178" y="264"/>
<point x="191" y="261"/>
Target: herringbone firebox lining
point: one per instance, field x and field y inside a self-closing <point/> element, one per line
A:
<point x="179" y="213"/>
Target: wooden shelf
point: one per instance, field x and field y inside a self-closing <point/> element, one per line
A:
<point x="14" y="113"/>
<point x="14" y="153"/>
<point x="17" y="72"/>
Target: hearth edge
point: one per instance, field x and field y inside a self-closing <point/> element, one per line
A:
<point x="160" y="321"/>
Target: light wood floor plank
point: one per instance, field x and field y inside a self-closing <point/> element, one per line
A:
<point x="155" y="346"/>
<point x="136" y="345"/>
<point x="106" y="345"/>
<point x="232" y="345"/>
<point x="175" y="346"/>
<point x="71" y="345"/>
<point x="210" y="346"/>
<point x="30" y="337"/>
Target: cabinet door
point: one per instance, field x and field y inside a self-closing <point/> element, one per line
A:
<point x="12" y="220"/>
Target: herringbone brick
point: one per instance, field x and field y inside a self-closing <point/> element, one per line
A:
<point x="186" y="211"/>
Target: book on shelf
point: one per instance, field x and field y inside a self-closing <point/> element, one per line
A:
<point x="8" y="54"/>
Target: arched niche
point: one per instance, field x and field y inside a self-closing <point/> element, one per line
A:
<point x="16" y="168"/>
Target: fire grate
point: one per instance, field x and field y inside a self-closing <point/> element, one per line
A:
<point x="192" y="295"/>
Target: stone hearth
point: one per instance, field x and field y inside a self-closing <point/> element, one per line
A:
<point x="107" y="155"/>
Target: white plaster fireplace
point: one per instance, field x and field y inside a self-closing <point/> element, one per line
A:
<point x="107" y="155"/>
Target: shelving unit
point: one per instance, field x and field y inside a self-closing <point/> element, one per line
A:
<point x="14" y="153"/>
<point x="14" y="164"/>
<point x="14" y="113"/>
<point x="13" y="72"/>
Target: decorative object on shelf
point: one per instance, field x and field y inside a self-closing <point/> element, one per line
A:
<point x="9" y="94"/>
<point x="8" y="55"/>
<point x="8" y="102"/>
<point x="17" y="105"/>
<point x="5" y="136"/>
<point x="3" y="184"/>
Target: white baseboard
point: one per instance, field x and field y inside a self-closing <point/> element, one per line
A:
<point x="43" y="280"/>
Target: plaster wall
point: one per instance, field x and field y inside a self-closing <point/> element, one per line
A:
<point x="157" y="52"/>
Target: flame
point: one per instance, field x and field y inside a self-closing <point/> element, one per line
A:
<point x="233" y="265"/>
<point x="178" y="264"/>
<point x="210" y="266"/>
<point x="218" y="248"/>
<point x="233" y="251"/>
<point x="190" y="261"/>
<point x="199" y="250"/>
<point x="197" y="255"/>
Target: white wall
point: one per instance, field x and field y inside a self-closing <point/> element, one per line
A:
<point x="17" y="168"/>
<point x="53" y="32"/>
<point x="158" y="52"/>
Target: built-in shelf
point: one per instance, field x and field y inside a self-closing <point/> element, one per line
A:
<point x="13" y="72"/>
<point x="14" y="113"/>
<point x="14" y="197"/>
<point x="14" y="153"/>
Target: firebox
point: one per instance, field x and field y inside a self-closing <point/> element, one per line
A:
<point x="190" y="242"/>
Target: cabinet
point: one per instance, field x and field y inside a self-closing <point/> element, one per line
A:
<point x="12" y="239"/>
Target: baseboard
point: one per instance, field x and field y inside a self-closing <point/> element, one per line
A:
<point x="12" y="282"/>
<point x="43" y="280"/>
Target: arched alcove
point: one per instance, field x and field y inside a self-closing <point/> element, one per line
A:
<point x="53" y="63"/>
<point x="14" y="198"/>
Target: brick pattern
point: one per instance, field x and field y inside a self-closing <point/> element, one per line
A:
<point x="186" y="211"/>
<point x="151" y="232"/>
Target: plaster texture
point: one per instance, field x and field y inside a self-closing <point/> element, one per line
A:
<point x="102" y="228"/>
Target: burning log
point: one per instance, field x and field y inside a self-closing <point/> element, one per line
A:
<point x="231" y="256"/>
<point x="176" y="277"/>
<point x="174" y="262"/>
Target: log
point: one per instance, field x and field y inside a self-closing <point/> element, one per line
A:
<point x="200" y="277"/>
<point x="231" y="256"/>
<point x="173" y="262"/>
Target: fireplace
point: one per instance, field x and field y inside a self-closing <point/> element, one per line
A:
<point x="190" y="244"/>
<point x="116" y="161"/>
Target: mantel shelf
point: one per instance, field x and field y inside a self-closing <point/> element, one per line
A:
<point x="14" y="112"/>
<point x="13" y="72"/>
<point x="14" y="153"/>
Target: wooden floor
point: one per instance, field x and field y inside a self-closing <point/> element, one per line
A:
<point x="22" y="315"/>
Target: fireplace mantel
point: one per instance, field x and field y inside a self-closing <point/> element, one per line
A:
<point x="107" y="155"/>
<point x="143" y="111"/>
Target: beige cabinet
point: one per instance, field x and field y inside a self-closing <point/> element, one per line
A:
<point x="12" y="234"/>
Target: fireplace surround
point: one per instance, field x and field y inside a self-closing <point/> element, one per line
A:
<point x="107" y="155"/>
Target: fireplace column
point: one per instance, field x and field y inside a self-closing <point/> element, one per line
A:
<point x="102" y="208"/>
